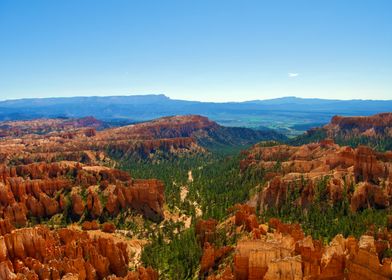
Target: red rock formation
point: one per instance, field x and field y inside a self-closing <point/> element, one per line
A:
<point x="206" y="235"/>
<point x="45" y="126"/>
<point x="78" y="204"/>
<point x="363" y="262"/>
<point x="38" y="253"/>
<point x="167" y="127"/>
<point x="372" y="126"/>
<point x="208" y="259"/>
<point x="94" y="205"/>
<point x="245" y="215"/>
<point x="206" y="230"/>
<point x="6" y="270"/>
<point x="41" y="190"/>
<point x="75" y="142"/>
<point x="367" y="167"/>
<point x="367" y="195"/>
<point x="301" y="170"/>
<point x="5" y="226"/>
<point x="108" y="227"/>
<point x="285" y="254"/>
<point x="147" y="197"/>
<point x="254" y="257"/>
<point x="293" y="230"/>
<point x="211" y="256"/>
<point x="93" y="225"/>
<point x="53" y="169"/>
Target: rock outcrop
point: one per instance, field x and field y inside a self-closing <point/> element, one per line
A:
<point x="371" y="126"/>
<point x="40" y="253"/>
<point x="363" y="261"/>
<point x="279" y="255"/>
<point x="42" y="190"/>
<point x="212" y="255"/>
<point x="283" y="251"/>
<point x="69" y="127"/>
<point x="51" y="140"/>
<point x="374" y="131"/>
<point x="359" y="175"/>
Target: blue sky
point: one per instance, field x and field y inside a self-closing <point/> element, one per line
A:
<point x="216" y="50"/>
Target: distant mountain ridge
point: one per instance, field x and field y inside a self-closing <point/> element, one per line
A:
<point x="283" y="114"/>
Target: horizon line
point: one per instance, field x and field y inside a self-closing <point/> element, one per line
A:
<point x="189" y="100"/>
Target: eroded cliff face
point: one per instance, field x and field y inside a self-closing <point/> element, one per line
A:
<point x="55" y="172"/>
<point x="278" y="251"/>
<point x="42" y="190"/>
<point x="63" y="175"/>
<point x="163" y="128"/>
<point x="40" y="253"/>
<point x="373" y="126"/>
<point x="46" y="126"/>
<point x="374" y="131"/>
<point x="50" y="167"/>
<point x="361" y="175"/>
<point x="53" y="140"/>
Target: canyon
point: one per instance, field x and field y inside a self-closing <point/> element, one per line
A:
<point x="58" y="172"/>
<point x="73" y="203"/>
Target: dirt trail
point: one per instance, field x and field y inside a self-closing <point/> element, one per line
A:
<point x="190" y="177"/>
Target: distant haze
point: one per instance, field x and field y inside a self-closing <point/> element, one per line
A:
<point x="289" y="115"/>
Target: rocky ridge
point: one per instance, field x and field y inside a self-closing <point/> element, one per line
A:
<point x="88" y="145"/>
<point x="360" y="175"/>
<point x="372" y="126"/>
<point x="42" y="190"/>
<point x="46" y="126"/>
<point x="374" y="131"/>
<point x="40" y="253"/>
<point x="278" y="251"/>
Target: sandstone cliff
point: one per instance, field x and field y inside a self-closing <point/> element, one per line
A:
<point x="40" y="253"/>
<point x="361" y="175"/>
<point x="277" y="251"/>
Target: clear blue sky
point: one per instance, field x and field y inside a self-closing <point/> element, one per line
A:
<point x="215" y="50"/>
